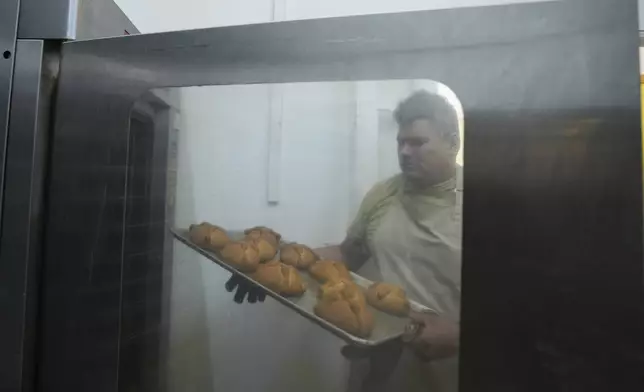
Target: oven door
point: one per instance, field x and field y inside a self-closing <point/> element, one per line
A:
<point x="552" y="238"/>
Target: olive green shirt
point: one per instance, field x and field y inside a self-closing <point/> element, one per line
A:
<point x="414" y="237"/>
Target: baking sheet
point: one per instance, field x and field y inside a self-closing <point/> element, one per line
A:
<point x="386" y="326"/>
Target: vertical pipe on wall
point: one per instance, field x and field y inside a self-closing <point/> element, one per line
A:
<point x="365" y="142"/>
<point x="275" y="103"/>
<point x="274" y="167"/>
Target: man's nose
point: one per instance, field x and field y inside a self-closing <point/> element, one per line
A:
<point x="405" y="149"/>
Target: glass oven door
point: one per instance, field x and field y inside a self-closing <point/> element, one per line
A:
<point x="351" y="135"/>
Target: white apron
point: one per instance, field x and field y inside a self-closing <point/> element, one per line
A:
<point x="417" y="245"/>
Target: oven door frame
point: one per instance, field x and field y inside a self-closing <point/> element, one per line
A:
<point x="553" y="176"/>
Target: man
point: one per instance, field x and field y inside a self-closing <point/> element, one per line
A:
<point x="410" y="226"/>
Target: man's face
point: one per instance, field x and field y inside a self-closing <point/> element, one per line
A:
<point x="424" y="154"/>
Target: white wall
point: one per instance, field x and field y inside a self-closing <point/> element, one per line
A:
<point x="223" y="178"/>
<point x="328" y="152"/>
<point x="167" y="15"/>
<point x="330" y="8"/>
<point x="224" y="146"/>
<point x="153" y="16"/>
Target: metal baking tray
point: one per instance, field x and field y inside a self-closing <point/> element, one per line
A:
<point x="386" y="326"/>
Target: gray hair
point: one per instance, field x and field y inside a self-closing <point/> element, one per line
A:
<point x="423" y="105"/>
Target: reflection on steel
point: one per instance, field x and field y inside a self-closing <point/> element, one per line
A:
<point x="552" y="216"/>
<point x="8" y="27"/>
<point x="22" y="218"/>
<point x="49" y="19"/>
<point x="72" y="20"/>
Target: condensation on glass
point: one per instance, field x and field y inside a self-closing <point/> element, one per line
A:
<point x="314" y="161"/>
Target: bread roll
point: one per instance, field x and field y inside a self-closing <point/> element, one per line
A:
<point x="218" y="238"/>
<point x="241" y="255"/>
<point x="342" y="289"/>
<point x="266" y="250"/>
<point x="264" y="232"/>
<point x="389" y="298"/>
<point x="208" y="236"/>
<point x="297" y="255"/>
<point x="199" y="234"/>
<point x="342" y="304"/>
<point x="281" y="278"/>
<point x="329" y="270"/>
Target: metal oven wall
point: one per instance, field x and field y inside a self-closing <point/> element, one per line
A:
<point x="72" y="19"/>
<point x="28" y="78"/>
<point x="34" y="81"/>
<point x="552" y="245"/>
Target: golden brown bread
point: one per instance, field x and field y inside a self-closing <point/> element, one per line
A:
<point x="342" y="303"/>
<point x="264" y="232"/>
<point x="329" y="270"/>
<point x="208" y="236"/>
<point x="242" y="255"/>
<point x="281" y="278"/>
<point x="199" y="233"/>
<point x="266" y="250"/>
<point x="389" y="298"/>
<point x="297" y="255"/>
<point x="218" y="238"/>
<point x="342" y="289"/>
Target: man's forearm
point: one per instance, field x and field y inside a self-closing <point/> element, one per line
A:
<point x="331" y="252"/>
<point x="354" y="254"/>
<point x="351" y="254"/>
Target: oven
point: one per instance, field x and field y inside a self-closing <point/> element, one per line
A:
<point x="112" y="144"/>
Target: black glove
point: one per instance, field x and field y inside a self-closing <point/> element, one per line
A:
<point x="244" y="290"/>
<point x="382" y="361"/>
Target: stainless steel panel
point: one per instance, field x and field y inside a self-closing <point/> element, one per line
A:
<point x="72" y="19"/>
<point x="147" y="247"/>
<point x="34" y="80"/>
<point x="8" y="26"/>
<point x="100" y="19"/>
<point x="47" y="19"/>
<point x="553" y="220"/>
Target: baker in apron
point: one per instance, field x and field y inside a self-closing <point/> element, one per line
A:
<point x="410" y="227"/>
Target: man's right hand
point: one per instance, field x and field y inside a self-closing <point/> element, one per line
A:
<point x="382" y="361"/>
<point x="244" y="290"/>
<point x="432" y="336"/>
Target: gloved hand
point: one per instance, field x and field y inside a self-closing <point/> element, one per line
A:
<point x="432" y="336"/>
<point x="382" y="361"/>
<point x="244" y="290"/>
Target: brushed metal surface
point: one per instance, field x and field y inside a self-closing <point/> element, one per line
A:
<point x="100" y="19"/>
<point x="148" y="247"/>
<point x="72" y="19"/>
<point x="553" y="216"/>
<point x="47" y="19"/>
<point x="8" y="27"/>
<point x="34" y="79"/>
